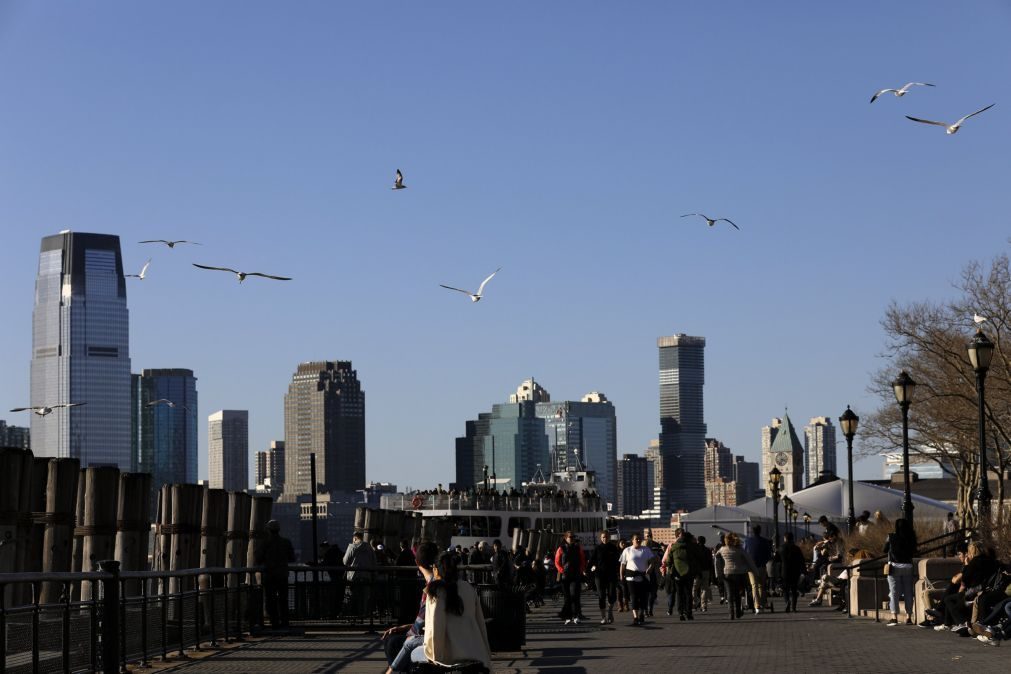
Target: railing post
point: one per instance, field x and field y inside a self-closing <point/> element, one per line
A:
<point x="110" y="617"/>
<point x="144" y="589"/>
<point x="36" y="596"/>
<point x="66" y="628"/>
<point x="3" y="628"/>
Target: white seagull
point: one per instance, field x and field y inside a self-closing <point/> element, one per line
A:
<point x="242" y="274"/>
<point x="142" y="271"/>
<point x="711" y="221"/>
<point x="474" y="297"/>
<point x="899" y="93"/>
<point x="43" y="410"/>
<point x="951" y="128"/>
<point x="398" y="183"/>
<point x="170" y="244"/>
<point x="977" y="319"/>
<point x="167" y="403"/>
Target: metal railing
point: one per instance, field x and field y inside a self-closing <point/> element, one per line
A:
<point x="547" y="503"/>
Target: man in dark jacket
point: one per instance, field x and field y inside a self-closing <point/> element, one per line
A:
<point x="501" y="566"/>
<point x="760" y="550"/>
<point x="275" y="556"/>
<point x="792" y="559"/>
<point x="702" y="592"/>
<point x="570" y="562"/>
<point x="683" y="563"/>
<point x="604" y="566"/>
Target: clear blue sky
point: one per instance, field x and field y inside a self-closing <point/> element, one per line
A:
<point x="558" y="140"/>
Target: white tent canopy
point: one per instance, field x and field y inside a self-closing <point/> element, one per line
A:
<point x="705" y="521"/>
<point x="832" y="500"/>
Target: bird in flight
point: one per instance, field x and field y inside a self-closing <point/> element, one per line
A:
<point x="709" y="220"/>
<point x="242" y="274"/>
<point x="167" y="403"/>
<point x="398" y="183"/>
<point x="171" y="244"/>
<point x="977" y="319"/>
<point x="951" y="128"/>
<point x="474" y="297"/>
<point x="142" y="271"/>
<point x="899" y="93"/>
<point x="43" y="410"/>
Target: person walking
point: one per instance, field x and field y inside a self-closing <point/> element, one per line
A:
<point x="275" y="556"/>
<point x="792" y="560"/>
<point x="737" y="565"/>
<point x="900" y="548"/>
<point x="501" y="566"/>
<point x="718" y="569"/>
<point x="570" y="562"/>
<point x="681" y="560"/>
<point x="624" y="596"/>
<point x="604" y="566"/>
<point x="702" y="592"/>
<point x="360" y="560"/>
<point x="635" y="563"/>
<point x="760" y="551"/>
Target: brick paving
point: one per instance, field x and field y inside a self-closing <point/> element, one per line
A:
<point x="817" y="640"/>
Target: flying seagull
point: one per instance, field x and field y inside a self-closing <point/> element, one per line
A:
<point x="167" y="403"/>
<point x="43" y="410"/>
<point x="474" y="297"/>
<point x="711" y="221"/>
<point x="951" y="128"/>
<point x="899" y="93"/>
<point x="242" y="274"/>
<point x="977" y="319"/>
<point x="170" y="244"/>
<point x="142" y="271"/>
<point x="398" y="183"/>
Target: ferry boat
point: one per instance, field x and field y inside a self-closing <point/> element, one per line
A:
<point x="568" y="501"/>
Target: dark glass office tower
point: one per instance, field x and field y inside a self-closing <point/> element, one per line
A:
<point x="169" y="432"/>
<point x="324" y="412"/>
<point x="682" y="421"/>
<point x="81" y="351"/>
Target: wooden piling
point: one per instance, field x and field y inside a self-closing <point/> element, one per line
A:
<point x="12" y="467"/>
<point x="259" y="515"/>
<point x="31" y="523"/>
<point x="214" y="521"/>
<point x="237" y="535"/>
<point x="77" y="552"/>
<point x="58" y="540"/>
<point x="133" y="526"/>
<point x="99" y="525"/>
<point x="184" y="553"/>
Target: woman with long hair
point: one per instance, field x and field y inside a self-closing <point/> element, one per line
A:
<point x="401" y="641"/>
<point x="901" y="547"/>
<point x="454" y="623"/>
<point x="736" y="565"/>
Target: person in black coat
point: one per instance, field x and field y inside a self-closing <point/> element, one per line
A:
<point x="792" y="559"/>
<point x="604" y="567"/>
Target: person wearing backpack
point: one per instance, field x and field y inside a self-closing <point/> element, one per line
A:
<point x="682" y="560"/>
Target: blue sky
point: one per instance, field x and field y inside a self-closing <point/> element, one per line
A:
<point x="558" y="140"/>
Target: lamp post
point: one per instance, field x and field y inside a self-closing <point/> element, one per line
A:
<point x="807" y="523"/>
<point x="903" y="386"/>
<point x="775" y="480"/>
<point x="980" y="353"/>
<point x="787" y="507"/>
<point x="848" y="422"/>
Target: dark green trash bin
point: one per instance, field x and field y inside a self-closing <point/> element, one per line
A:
<point x="505" y="614"/>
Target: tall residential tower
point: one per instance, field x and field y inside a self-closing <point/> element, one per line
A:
<point x="81" y="351"/>
<point x="228" y="450"/>
<point x="682" y="421"/>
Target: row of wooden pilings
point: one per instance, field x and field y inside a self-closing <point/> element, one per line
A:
<point x="57" y="517"/>
<point x="536" y="543"/>
<point x="389" y="527"/>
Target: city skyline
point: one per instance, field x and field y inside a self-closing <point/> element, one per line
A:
<point x="281" y="160"/>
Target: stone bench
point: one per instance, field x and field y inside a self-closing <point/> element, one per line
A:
<point x="933" y="576"/>
<point x="868" y="590"/>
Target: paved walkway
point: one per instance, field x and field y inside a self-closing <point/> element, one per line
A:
<point x="815" y="640"/>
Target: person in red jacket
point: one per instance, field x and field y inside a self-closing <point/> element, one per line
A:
<point x="570" y="562"/>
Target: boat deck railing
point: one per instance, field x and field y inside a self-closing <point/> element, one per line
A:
<point x="546" y="503"/>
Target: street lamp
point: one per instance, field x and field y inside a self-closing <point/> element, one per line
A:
<point x="775" y="481"/>
<point x="807" y="523"/>
<point x="787" y="507"/>
<point x="980" y="353"/>
<point x="848" y="422"/>
<point x="903" y="386"/>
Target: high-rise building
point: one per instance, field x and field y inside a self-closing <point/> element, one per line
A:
<point x="324" y="413"/>
<point x="719" y="461"/>
<point x="270" y="468"/>
<point x="228" y="450"/>
<point x="682" y="421"/>
<point x="635" y="485"/>
<point x="14" y="436"/>
<point x="81" y="351"/>
<point x="819" y="449"/>
<point x="168" y="426"/>
<point x="511" y="442"/>
<point x="747" y="480"/>
<point x="652" y="455"/>
<point x="787" y="454"/>
<point x="583" y="436"/>
<point x="768" y="436"/>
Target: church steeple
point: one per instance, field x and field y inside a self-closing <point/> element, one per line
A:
<point x="787" y="454"/>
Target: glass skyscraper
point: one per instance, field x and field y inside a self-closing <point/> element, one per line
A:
<point x="682" y="421"/>
<point x="81" y="351"/>
<point x="168" y="435"/>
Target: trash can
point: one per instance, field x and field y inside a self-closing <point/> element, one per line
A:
<point x="505" y="614"/>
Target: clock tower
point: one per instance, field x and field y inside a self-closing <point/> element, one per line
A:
<point x="786" y="453"/>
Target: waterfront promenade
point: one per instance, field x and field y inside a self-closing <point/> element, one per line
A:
<point x="817" y="640"/>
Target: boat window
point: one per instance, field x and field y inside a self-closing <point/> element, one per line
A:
<point x="495" y="526"/>
<point x="479" y="526"/>
<point x="518" y="523"/>
<point x="460" y="526"/>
